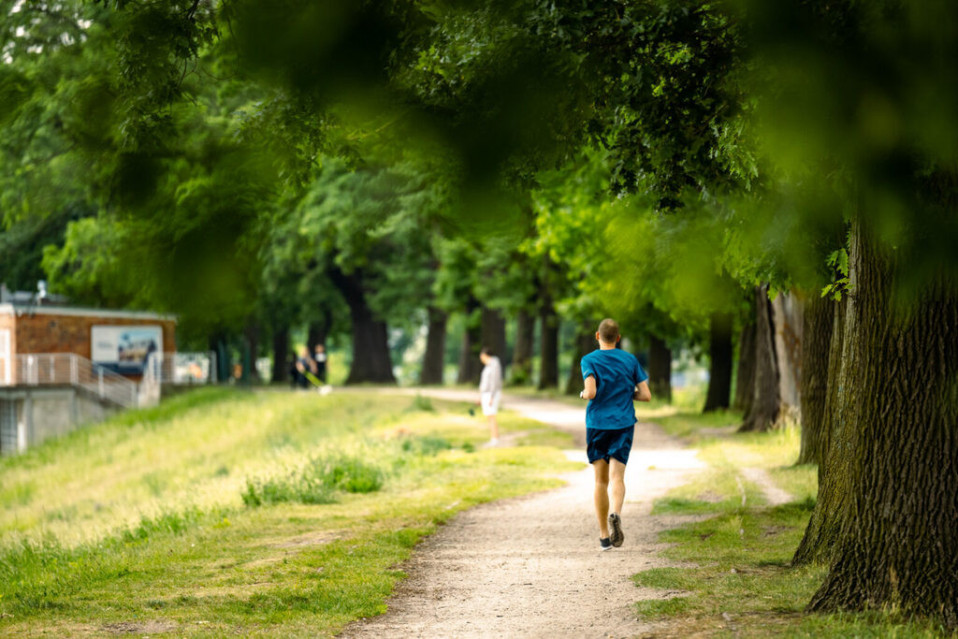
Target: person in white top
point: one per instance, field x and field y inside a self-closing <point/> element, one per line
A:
<point x="490" y="390"/>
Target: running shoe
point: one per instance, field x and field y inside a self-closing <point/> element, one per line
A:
<point x="605" y="544"/>
<point x="615" y="530"/>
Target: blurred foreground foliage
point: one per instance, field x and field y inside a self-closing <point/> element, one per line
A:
<point x="246" y="162"/>
<point x="208" y="153"/>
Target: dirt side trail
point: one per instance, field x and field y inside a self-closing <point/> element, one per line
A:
<point x="531" y="567"/>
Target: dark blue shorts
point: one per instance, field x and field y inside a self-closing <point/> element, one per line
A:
<point x="609" y="444"/>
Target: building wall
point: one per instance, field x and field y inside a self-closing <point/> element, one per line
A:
<point x="48" y="333"/>
<point x="51" y="413"/>
<point x="11" y="424"/>
<point x="7" y="323"/>
<point x="31" y="415"/>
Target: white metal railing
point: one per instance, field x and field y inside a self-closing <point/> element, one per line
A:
<point x="69" y="369"/>
<point x="174" y="368"/>
<point x="73" y="370"/>
<point x="183" y="368"/>
<point x="150" y="383"/>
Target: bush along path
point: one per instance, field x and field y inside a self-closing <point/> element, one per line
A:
<point x="531" y="566"/>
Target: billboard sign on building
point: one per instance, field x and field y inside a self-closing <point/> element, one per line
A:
<point x="124" y="349"/>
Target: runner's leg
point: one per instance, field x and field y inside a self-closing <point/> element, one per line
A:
<point x="602" y="496"/>
<point x="617" y="473"/>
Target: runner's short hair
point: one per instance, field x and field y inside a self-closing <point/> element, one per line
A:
<point x="609" y="331"/>
<point x="487" y="351"/>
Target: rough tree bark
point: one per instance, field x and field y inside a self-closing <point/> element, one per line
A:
<point x="898" y="542"/>
<point x="765" y="406"/>
<point x="584" y="344"/>
<point x="821" y="533"/>
<point x="745" y="377"/>
<point x="433" y="360"/>
<point x="469" y="365"/>
<point x="816" y="341"/>
<point x="371" y="359"/>
<point x="280" y="353"/>
<point x="660" y="369"/>
<point x="521" y="368"/>
<point x="720" y="370"/>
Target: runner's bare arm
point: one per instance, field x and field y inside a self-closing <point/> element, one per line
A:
<point x="589" y="391"/>
<point x="642" y="392"/>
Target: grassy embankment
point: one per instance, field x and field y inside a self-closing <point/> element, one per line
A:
<point x="743" y="585"/>
<point x="223" y="512"/>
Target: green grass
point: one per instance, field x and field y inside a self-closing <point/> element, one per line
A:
<point x="556" y="394"/>
<point x="153" y="534"/>
<point x="741" y="584"/>
<point x="689" y="424"/>
<point x="686" y="401"/>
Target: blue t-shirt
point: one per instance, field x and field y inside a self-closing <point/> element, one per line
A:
<point x="616" y="374"/>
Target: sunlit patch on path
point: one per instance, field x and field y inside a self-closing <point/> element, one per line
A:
<point x="774" y="496"/>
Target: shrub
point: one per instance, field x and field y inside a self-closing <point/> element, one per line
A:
<point x="171" y="522"/>
<point x="292" y="488"/>
<point x="420" y="403"/>
<point x="350" y="474"/>
<point x="425" y="445"/>
<point x="316" y="483"/>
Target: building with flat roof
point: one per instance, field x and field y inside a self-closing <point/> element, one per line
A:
<point x="119" y="341"/>
<point x="61" y="366"/>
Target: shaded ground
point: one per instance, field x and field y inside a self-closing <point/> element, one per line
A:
<point x="531" y="567"/>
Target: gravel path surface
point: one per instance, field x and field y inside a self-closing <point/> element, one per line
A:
<point x="531" y="567"/>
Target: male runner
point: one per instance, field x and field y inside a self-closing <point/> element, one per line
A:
<point x="613" y="379"/>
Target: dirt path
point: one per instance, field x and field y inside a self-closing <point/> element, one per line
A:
<point x="774" y="496"/>
<point x="531" y="567"/>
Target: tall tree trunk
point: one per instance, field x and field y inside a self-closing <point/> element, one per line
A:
<point x="280" y="353"/>
<point x="319" y="329"/>
<point x="765" y="401"/>
<point x="549" y="328"/>
<point x="219" y="345"/>
<point x="521" y="369"/>
<point x="821" y="533"/>
<point x="816" y="341"/>
<point x="371" y="359"/>
<point x="584" y="344"/>
<point x="745" y="377"/>
<point x="660" y="369"/>
<point x="469" y="365"/>
<point x="898" y="544"/>
<point x="720" y="370"/>
<point x="251" y="334"/>
<point x="493" y="333"/>
<point x="548" y="346"/>
<point x="788" y="320"/>
<point x="434" y="359"/>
